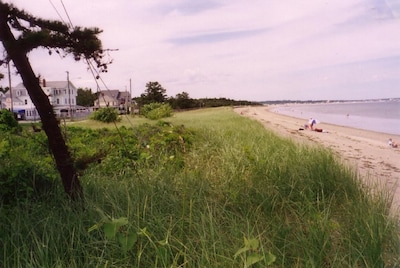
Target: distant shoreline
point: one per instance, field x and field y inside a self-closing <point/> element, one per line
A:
<point x="381" y="117"/>
<point x="284" y="102"/>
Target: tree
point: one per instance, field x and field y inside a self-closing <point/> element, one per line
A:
<point x="183" y="101"/>
<point x="20" y="33"/>
<point x="85" y="97"/>
<point x="154" y="93"/>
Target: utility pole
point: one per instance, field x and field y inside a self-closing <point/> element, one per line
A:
<point x="9" y="87"/>
<point x="69" y="98"/>
<point x="130" y="96"/>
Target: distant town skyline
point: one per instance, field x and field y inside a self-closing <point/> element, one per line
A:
<point x="256" y="51"/>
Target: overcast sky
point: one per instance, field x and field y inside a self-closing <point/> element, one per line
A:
<point x="253" y="50"/>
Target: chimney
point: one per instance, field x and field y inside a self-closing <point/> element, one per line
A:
<point x="44" y="82"/>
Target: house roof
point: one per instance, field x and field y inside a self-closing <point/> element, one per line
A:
<point x="52" y="84"/>
<point x="115" y="94"/>
<point x="111" y="93"/>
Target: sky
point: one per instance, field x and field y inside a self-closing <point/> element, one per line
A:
<point x="245" y="50"/>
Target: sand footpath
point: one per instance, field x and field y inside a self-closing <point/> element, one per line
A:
<point x="367" y="151"/>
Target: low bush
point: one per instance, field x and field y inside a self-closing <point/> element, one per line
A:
<point x="156" y="110"/>
<point x="8" y="121"/>
<point x="106" y="115"/>
<point x="27" y="169"/>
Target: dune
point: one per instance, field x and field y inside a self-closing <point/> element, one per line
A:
<point x="368" y="152"/>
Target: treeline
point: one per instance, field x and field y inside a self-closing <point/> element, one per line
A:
<point x="177" y="103"/>
<point x="155" y="93"/>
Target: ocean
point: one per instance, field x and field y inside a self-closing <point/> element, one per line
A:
<point x="379" y="116"/>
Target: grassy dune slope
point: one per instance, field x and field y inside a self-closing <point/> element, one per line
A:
<point x="235" y="195"/>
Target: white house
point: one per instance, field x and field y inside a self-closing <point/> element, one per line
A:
<point x="62" y="95"/>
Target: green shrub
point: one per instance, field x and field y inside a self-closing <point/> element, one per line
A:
<point x="156" y="110"/>
<point x="106" y="115"/>
<point x="8" y="121"/>
<point x="27" y="169"/>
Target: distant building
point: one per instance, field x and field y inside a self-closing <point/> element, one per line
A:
<point x="120" y="100"/>
<point x="61" y="94"/>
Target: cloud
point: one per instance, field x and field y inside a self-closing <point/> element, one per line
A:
<point x="253" y="50"/>
<point x="185" y="7"/>
<point x="216" y="36"/>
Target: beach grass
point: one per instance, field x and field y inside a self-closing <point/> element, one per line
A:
<point x="242" y="197"/>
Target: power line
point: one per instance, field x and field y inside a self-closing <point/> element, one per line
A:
<point x="93" y="70"/>
<point x="66" y="13"/>
<point x="58" y="13"/>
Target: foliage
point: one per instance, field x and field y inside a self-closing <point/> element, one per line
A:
<point x="37" y="32"/>
<point x="4" y="90"/>
<point x="185" y="193"/>
<point x="27" y="170"/>
<point x="156" y="111"/>
<point x="219" y="102"/>
<point x="8" y="121"/>
<point x="106" y="115"/>
<point x="183" y="101"/>
<point x="20" y="34"/>
<point x="85" y="97"/>
<point x="114" y="230"/>
<point x="251" y="253"/>
<point x="154" y="93"/>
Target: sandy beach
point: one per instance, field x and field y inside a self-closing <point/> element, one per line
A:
<point x="368" y="152"/>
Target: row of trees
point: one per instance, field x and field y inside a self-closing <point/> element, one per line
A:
<point x="156" y="93"/>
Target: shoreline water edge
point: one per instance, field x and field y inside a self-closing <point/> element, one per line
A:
<point x="368" y="152"/>
<point x="379" y="116"/>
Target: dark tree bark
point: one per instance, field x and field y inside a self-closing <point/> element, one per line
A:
<point x="58" y="147"/>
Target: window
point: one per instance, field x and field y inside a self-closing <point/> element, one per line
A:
<point x="26" y="101"/>
<point x="58" y="101"/>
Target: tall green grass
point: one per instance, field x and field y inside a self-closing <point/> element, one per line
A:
<point x="238" y="181"/>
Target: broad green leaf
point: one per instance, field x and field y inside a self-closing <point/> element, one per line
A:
<point x="127" y="241"/>
<point x="110" y="229"/>
<point x="251" y="243"/>
<point x="270" y="258"/>
<point x="120" y="221"/>
<point x="253" y="258"/>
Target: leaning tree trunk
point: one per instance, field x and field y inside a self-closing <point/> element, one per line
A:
<point x="58" y="147"/>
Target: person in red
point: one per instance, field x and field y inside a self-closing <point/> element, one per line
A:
<point x="392" y="143"/>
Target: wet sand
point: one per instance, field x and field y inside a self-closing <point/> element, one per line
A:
<point x="368" y="152"/>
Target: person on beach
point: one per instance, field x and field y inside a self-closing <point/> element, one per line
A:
<point x="392" y="143"/>
<point x="311" y="123"/>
